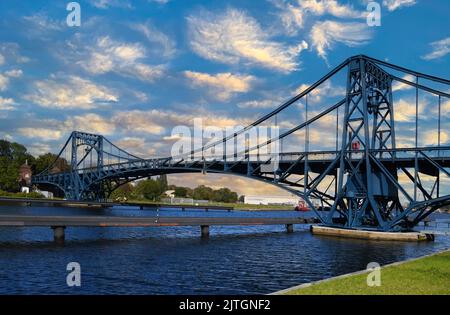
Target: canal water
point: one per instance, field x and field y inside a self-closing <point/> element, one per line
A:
<point x="175" y="260"/>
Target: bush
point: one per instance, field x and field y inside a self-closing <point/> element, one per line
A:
<point x="32" y="194"/>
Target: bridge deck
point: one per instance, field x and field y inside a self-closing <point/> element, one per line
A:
<point x="111" y="221"/>
<point x="59" y="202"/>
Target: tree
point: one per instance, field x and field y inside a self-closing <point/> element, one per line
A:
<point x="49" y="159"/>
<point x="148" y="189"/>
<point x="181" y="192"/>
<point x="122" y="192"/>
<point x="12" y="156"/>
<point x="203" y="192"/>
<point x="162" y="179"/>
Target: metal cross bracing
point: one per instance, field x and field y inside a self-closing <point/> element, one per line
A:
<point x="365" y="181"/>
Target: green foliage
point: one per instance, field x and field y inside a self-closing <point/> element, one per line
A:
<point x="182" y="192"/>
<point x="12" y="156"/>
<point x="220" y="195"/>
<point x="123" y="192"/>
<point x="428" y="275"/>
<point x="45" y="160"/>
<point x="149" y="189"/>
<point x="33" y="194"/>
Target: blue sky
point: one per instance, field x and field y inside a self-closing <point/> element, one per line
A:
<point x="135" y="69"/>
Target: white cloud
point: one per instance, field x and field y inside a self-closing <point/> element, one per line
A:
<point x="293" y="16"/>
<point x="2" y="59"/>
<point x="326" y="89"/>
<point x="393" y="5"/>
<point x="430" y="138"/>
<point x="234" y="37"/>
<point x="91" y="123"/>
<point x="160" y="1"/>
<point x="6" y="103"/>
<point x="105" y="4"/>
<point x="4" y="81"/>
<point x="440" y="48"/>
<point x="325" y="34"/>
<point x="70" y="92"/>
<point x="123" y="58"/>
<point x="222" y="85"/>
<point x="43" y="133"/>
<point x="136" y="146"/>
<point x="151" y="122"/>
<point x="400" y="86"/>
<point x="406" y="111"/>
<point x="164" y="45"/>
<point x="267" y="103"/>
<point x="15" y="73"/>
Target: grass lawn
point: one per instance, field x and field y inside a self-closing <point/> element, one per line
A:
<point x="428" y="275"/>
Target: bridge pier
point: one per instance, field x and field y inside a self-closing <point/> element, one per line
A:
<point x="289" y="228"/>
<point x="59" y="234"/>
<point x="204" y="230"/>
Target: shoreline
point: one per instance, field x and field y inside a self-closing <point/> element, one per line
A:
<point x="329" y="282"/>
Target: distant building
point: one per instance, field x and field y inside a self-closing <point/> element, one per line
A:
<point x="271" y="200"/>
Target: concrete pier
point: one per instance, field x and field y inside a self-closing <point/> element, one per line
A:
<point x="59" y="234"/>
<point x="289" y="228"/>
<point x="204" y="230"/>
<point x="371" y="235"/>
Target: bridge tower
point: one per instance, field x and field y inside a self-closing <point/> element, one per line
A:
<point x="366" y="193"/>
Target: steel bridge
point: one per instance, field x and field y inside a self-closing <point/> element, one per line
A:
<point x="366" y="181"/>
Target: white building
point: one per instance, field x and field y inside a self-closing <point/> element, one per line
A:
<point x="271" y="200"/>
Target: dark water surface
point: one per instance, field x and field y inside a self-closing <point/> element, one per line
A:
<point x="175" y="260"/>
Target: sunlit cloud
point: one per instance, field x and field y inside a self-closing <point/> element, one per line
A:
<point x="123" y="58"/>
<point x="221" y="85"/>
<point x="440" y="49"/>
<point x="70" y="92"/>
<point x="234" y="37"/>
<point x="393" y="5"/>
<point x="325" y="34"/>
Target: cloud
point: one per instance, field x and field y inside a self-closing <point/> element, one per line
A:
<point x="6" y="103"/>
<point x="293" y="16"/>
<point x="222" y="85"/>
<point x="400" y="86"/>
<point x="393" y="5"/>
<point x="324" y="34"/>
<point x="70" y="92"/>
<point x="233" y="37"/>
<point x="405" y="111"/>
<point x="430" y="138"/>
<point x="164" y="45"/>
<point x="5" y="77"/>
<point x="91" y="123"/>
<point x="10" y="52"/>
<point x="105" y="4"/>
<point x="108" y="55"/>
<point x="136" y="146"/>
<point x="160" y="1"/>
<point x="325" y="90"/>
<point x="43" y="133"/>
<point x="15" y="73"/>
<point x="151" y="122"/>
<point x="440" y="49"/>
<point x="267" y="103"/>
<point x="4" y="81"/>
